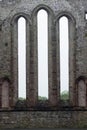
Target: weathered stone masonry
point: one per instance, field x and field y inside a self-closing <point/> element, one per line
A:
<point x="52" y="113"/>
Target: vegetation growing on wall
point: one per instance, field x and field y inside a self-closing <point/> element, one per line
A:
<point x="65" y="95"/>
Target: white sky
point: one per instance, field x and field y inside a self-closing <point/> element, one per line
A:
<point x="22" y="57"/>
<point x="64" y="54"/>
<point x="42" y="54"/>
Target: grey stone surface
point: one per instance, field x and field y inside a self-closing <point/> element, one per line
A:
<point x="65" y="114"/>
<point x="44" y="129"/>
<point x="11" y="11"/>
<point x="43" y="119"/>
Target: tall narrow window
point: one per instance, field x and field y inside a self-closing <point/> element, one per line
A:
<point x="64" y="58"/>
<point x="42" y="26"/>
<point x="21" y="57"/>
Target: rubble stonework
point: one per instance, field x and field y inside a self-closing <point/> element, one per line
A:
<point x="10" y="12"/>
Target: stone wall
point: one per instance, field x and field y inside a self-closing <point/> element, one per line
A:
<point x="10" y="12"/>
<point x="43" y="119"/>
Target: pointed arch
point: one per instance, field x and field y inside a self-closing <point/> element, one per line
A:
<point x="14" y="63"/>
<point x="17" y="16"/>
<point x="64" y="56"/>
<point x="21" y="57"/>
<point x="71" y="24"/>
<point x="52" y="87"/>
<point x="66" y="14"/>
<point x="42" y="6"/>
<point x="42" y="28"/>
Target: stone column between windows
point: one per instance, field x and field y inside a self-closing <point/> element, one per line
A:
<point x="52" y="64"/>
<point x="71" y="61"/>
<point x="14" y="62"/>
<point x="32" y="72"/>
<point x="58" y="59"/>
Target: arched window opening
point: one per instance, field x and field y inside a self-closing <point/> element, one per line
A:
<point x="86" y="16"/>
<point x="21" y="58"/>
<point x="82" y="93"/>
<point x="5" y="94"/>
<point x="42" y="29"/>
<point x="64" y="58"/>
